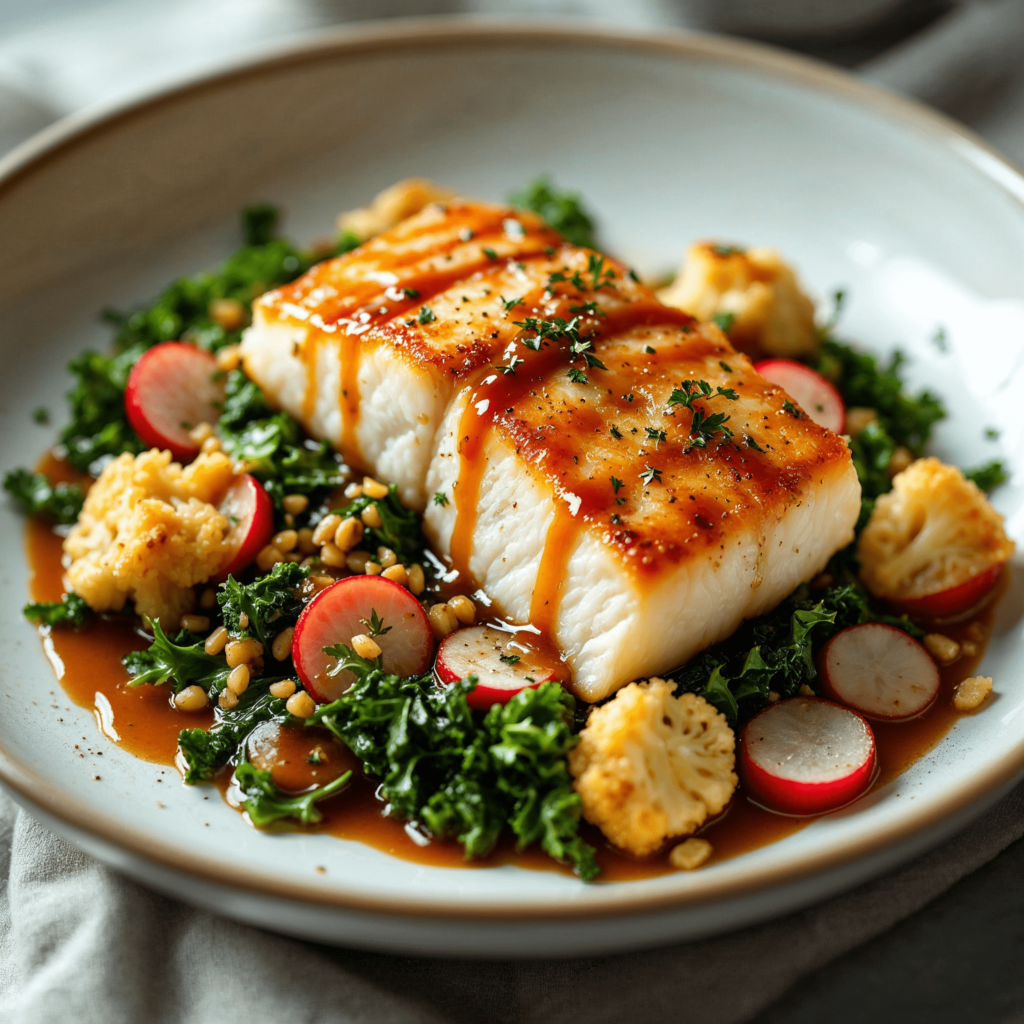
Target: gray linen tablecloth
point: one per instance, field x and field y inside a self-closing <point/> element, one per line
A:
<point x="79" y="941"/>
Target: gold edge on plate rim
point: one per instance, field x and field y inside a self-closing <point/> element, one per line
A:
<point x="672" y="892"/>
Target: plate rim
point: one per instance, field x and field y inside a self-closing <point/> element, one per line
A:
<point x="675" y="891"/>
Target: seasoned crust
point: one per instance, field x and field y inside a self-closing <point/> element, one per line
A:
<point x="150" y="530"/>
<point x="650" y="766"/>
<point x="935" y="529"/>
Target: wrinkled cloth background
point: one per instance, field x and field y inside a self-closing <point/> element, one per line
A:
<point x="941" y="939"/>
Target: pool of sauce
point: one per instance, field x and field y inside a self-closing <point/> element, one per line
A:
<point x="144" y="722"/>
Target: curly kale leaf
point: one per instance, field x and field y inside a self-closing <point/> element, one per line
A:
<point x="776" y="651"/>
<point x="98" y="429"/>
<point x="863" y="381"/>
<point x="70" y="610"/>
<point x="989" y="476"/>
<point x="399" y="530"/>
<point x="274" y="445"/>
<point x="564" y="211"/>
<point x="266" y="803"/>
<point x="178" y="663"/>
<point x="462" y="775"/>
<point x="269" y="603"/>
<point x="60" y="502"/>
<point x="206" y="751"/>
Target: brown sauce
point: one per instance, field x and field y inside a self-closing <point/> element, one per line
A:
<point x="143" y="722"/>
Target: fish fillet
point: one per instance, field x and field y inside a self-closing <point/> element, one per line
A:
<point x="537" y="396"/>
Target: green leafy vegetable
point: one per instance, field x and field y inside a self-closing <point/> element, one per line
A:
<point x="206" y="751"/>
<point x="269" y="603"/>
<point x="989" y="476"/>
<point x="562" y="210"/>
<point x="38" y="497"/>
<point x="274" y="445"/>
<point x="776" y="651"/>
<point x="70" y="610"/>
<point x="266" y="803"/>
<point x="462" y="775"/>
<point x="863" y="381"/>
<point x="177" y="663"/>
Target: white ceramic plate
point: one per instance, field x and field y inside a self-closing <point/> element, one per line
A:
<point x="670" y="139"/>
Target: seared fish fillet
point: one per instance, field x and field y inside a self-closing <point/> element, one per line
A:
<point x="593" y="488"/>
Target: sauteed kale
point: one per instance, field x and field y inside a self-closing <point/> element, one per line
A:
<point x="453" y="771"/>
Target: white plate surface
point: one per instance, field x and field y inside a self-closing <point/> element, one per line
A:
<point x="669" y="139"/>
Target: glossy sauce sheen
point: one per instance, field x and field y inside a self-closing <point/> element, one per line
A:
<point x="464" y="263"/>
<point x="143" y="722"/>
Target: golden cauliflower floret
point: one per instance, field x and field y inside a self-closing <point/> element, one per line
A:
<point x="651" y="766"/>
<point x="771" y="314"/>
<point x="150" y="530"/>
<point x="393" y="205"/>
<point x="935" y="529"/>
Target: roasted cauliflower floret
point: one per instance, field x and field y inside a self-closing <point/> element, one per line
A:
<point x="650" y="766"/>
<point x="934" y="530"/>
<point x="150" y="530"/>
<point x="393" y="205"/>
<point x="771" y="315"/>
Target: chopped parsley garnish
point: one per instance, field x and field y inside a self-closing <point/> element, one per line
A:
<point x="991" y="434"/>
<point x="616" y="519"/>
<point x="410" y="293"/>
<point x="508" y="659"/>
<point x="615" y="432"/>
<point x="725" y="366"/>
<point x="577" y="376"/>
<point x="650" y="475"/>
<point x="650" y="350"/>
<point x="510" y="304"/>
<point x="657" y="436"/>
<point x="426" y="315"/>
<point x="510" y="367"/>
<point x="490" y="253"/>
<point x="374" y="626"/>
<point x="788" y="406"/>
<point x="600" y="277"/>
<point x="724" y="320"/>
<point x="440" y="498"/>
<point x="617" y="484"/>
<point x="41" y="415"/>
<point x="587" y="309"/>
<point x="751" y="443"/>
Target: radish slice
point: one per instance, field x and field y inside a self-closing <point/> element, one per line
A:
<point x="879" y="671"/>
<point x="171" y="389"/>
<point x="336" y="615"/>
<point x="479" y="650"/>
<point x="251" y="512"/>
<point x="957" y="601"/>
<point x="807" y="756"/>
<point x="808" y="389"/>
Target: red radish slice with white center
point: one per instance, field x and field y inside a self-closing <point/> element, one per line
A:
<point x="171" y="389"/>
<point x="956" y="601"/>
<point x="336" y="615"/>
<point x="503" y="663"/>
<point x="251" y="513"/>
<point x="809" y="389"/>
<point x="879" y="671"/>
<point x="807" y="756"/>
